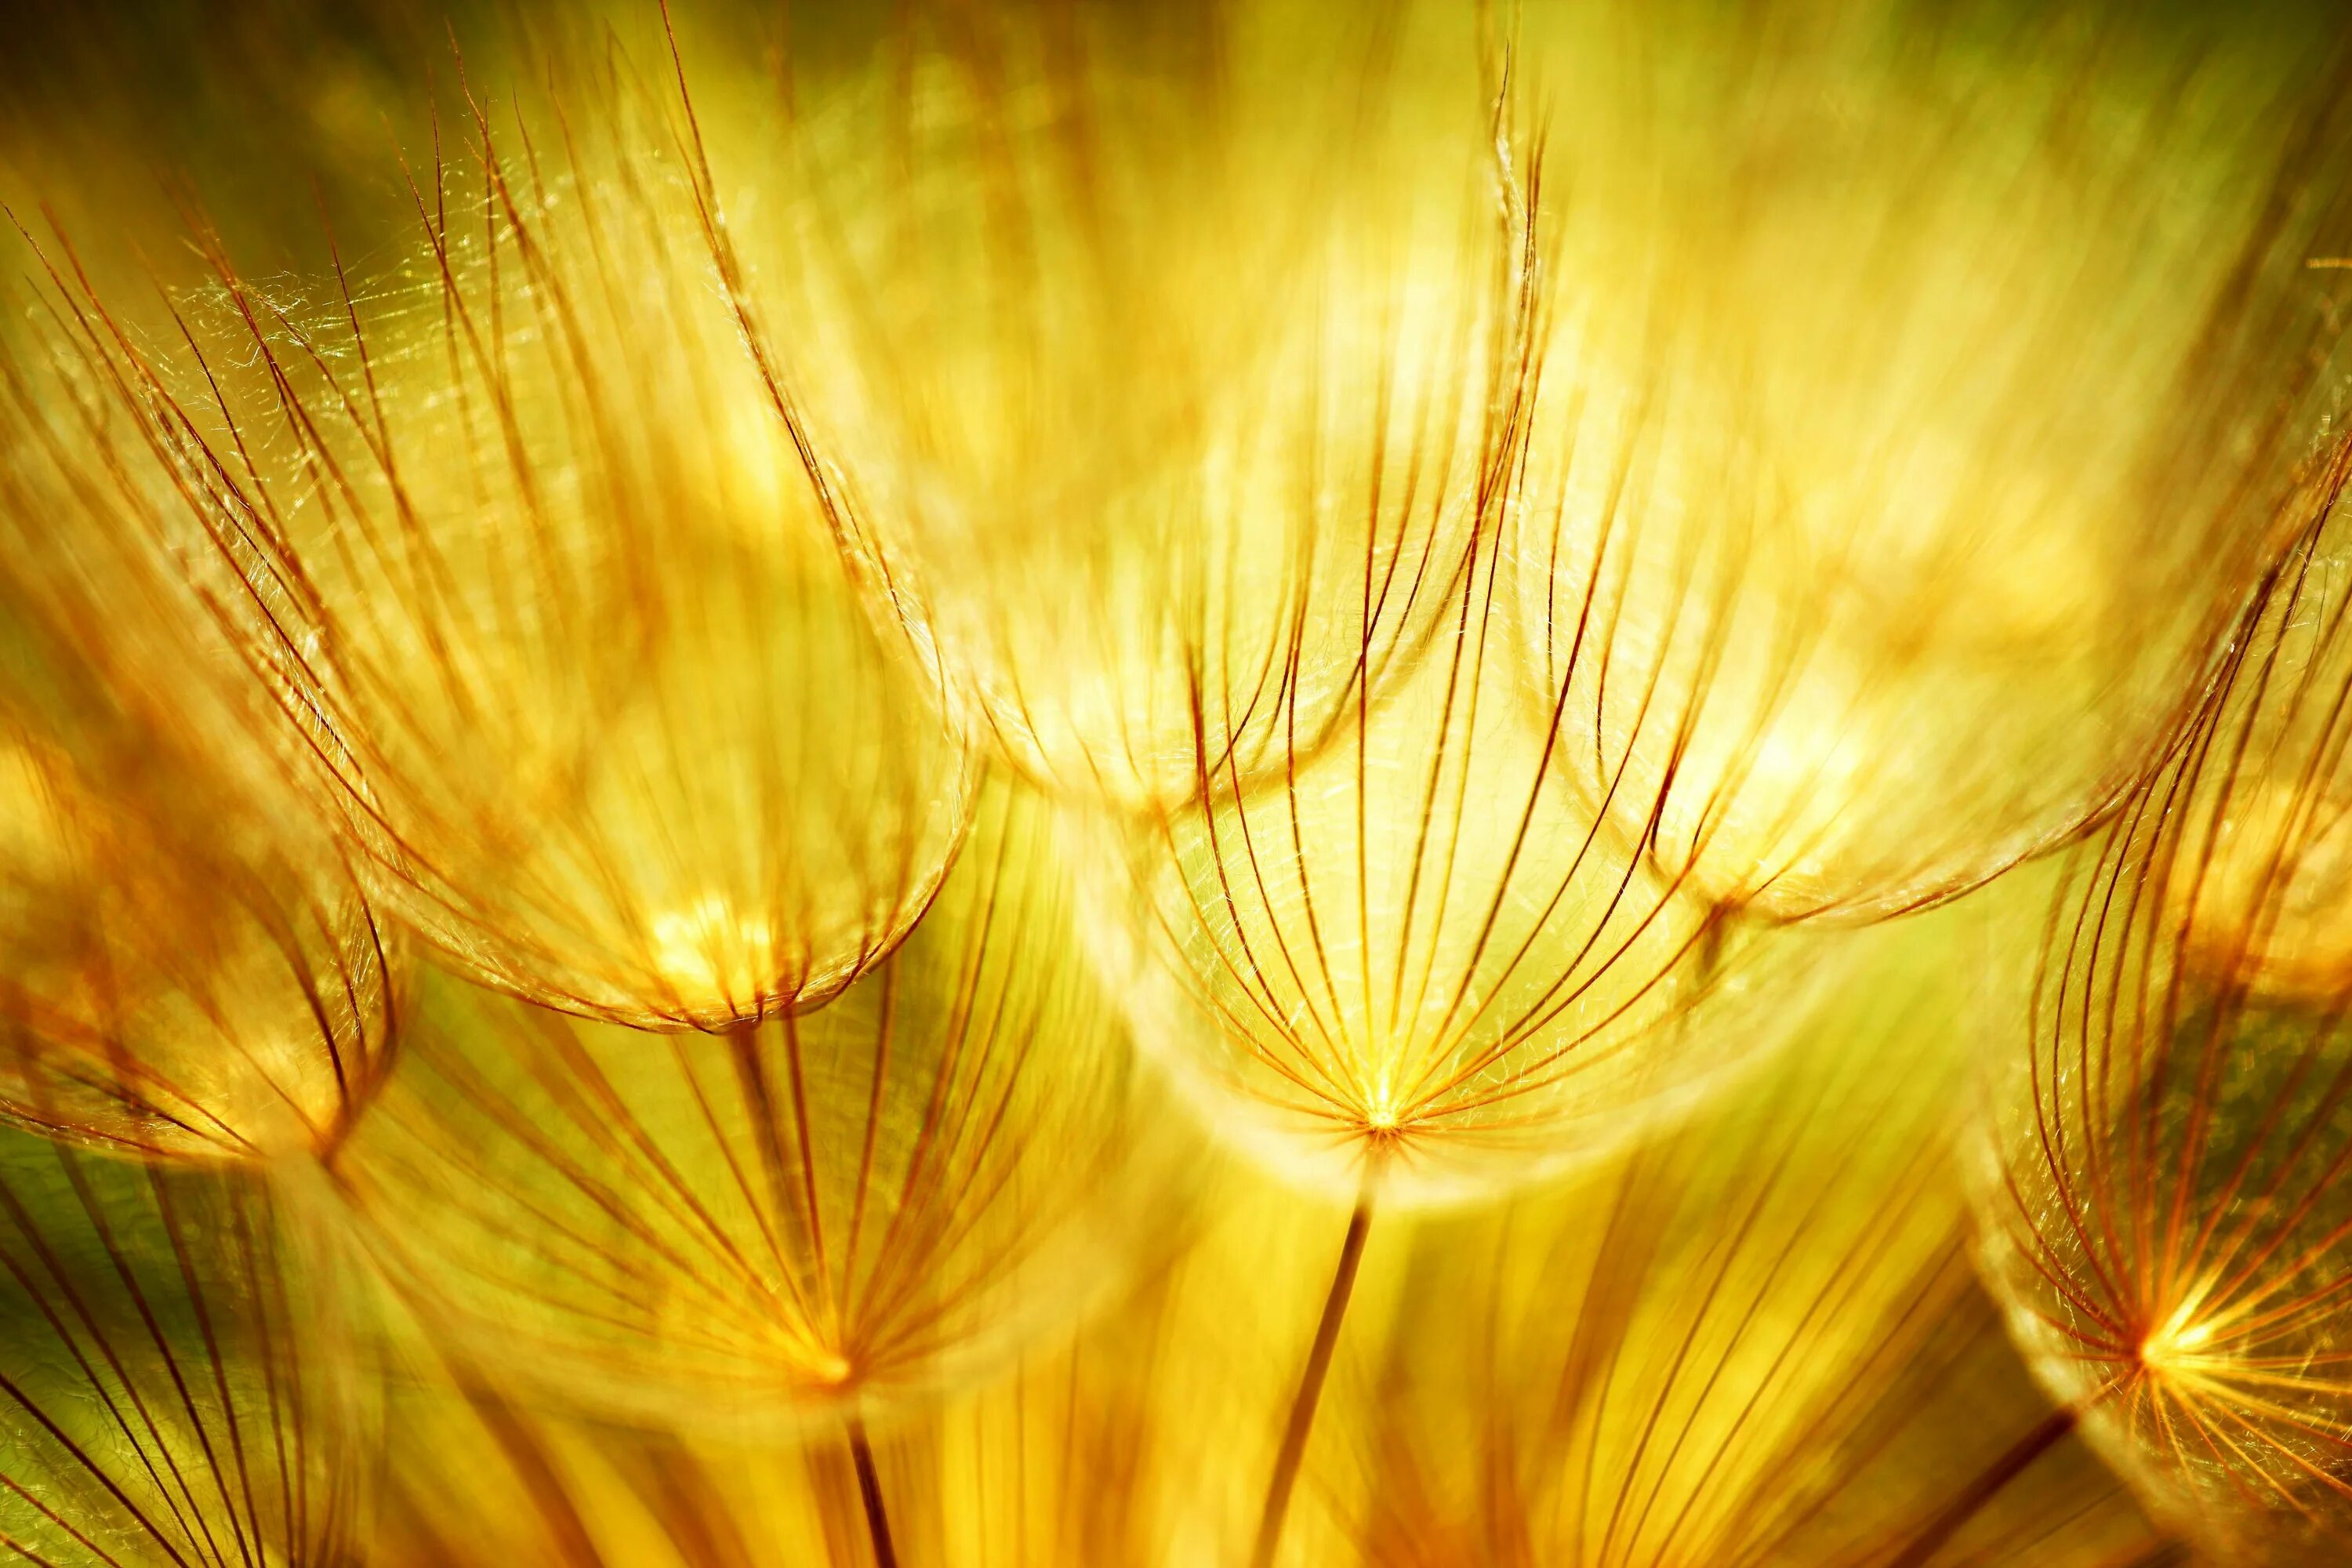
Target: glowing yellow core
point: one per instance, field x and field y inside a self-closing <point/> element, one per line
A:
<point x="2178" y="1343"/>
<point x="709" y="948"/>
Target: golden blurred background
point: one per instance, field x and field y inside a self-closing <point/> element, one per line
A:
<point x="1431" y="783"/>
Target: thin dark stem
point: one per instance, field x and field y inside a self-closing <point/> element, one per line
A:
<point x="1310" y="1385"/>
<point x="1984" y="1488"/>
<point x="869" y="1492"/>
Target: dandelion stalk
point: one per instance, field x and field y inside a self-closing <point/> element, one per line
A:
<point x="1988" y="1486"/>
<point x="869" y="1492"/>
<point x="1301" y="1423"/>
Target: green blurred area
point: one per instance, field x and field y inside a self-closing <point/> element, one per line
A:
<point x="270" y="116"/>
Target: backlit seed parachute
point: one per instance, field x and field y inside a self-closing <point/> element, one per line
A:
<point x="1157" y="375"/>
<point x="1417" y="961"/>
<point x="586" y="683"/>
<point x="1924" y="386"/>
<point x="167" y="1397"/>
<point x="1419" y="967"/>
<point x="2166" y="1203"/>
<point x="829" y="1214"/>
<point x="1755" y="1341"/>
<point x="187" y="968"/>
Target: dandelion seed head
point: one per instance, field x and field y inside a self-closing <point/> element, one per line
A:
<point x="1416" y="567"/>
